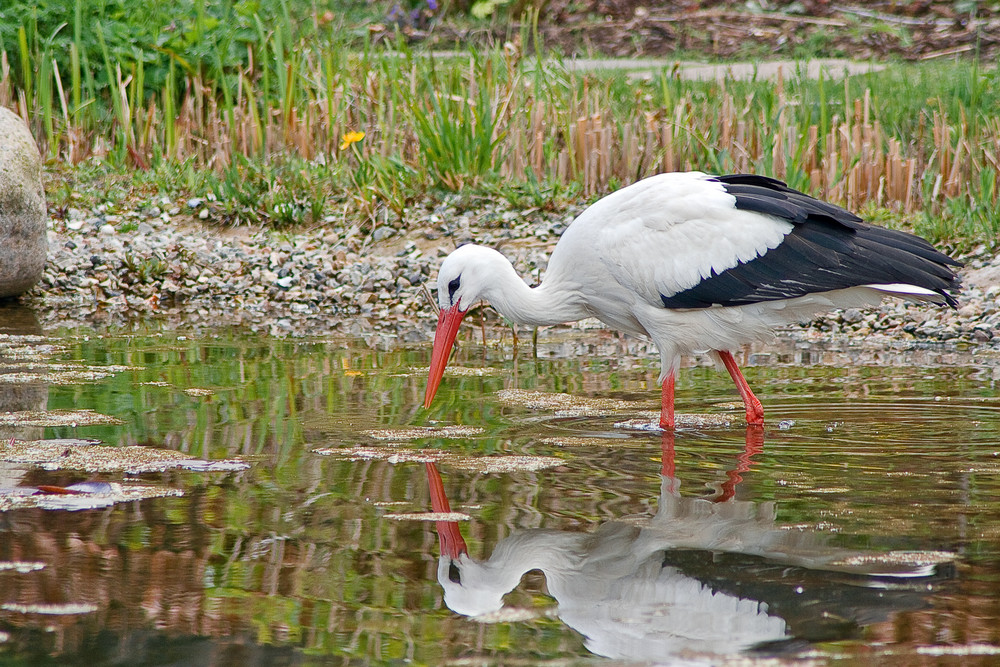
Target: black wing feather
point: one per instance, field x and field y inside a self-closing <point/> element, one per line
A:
<point x="828" y="249"/>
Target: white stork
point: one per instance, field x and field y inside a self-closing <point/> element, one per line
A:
<point x="697" y="263"/>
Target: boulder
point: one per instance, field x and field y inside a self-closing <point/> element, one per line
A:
<point x="23" y="240"/>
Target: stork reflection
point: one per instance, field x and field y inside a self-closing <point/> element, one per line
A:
<point x="703" y="576"/>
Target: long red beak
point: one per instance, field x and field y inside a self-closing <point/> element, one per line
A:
<point x="444" y="339"/>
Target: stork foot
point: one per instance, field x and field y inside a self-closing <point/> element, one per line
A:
<point x="755" y="411"/>
<point x="755" y="419"/>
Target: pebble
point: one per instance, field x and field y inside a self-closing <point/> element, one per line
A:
<point x="313" y="280"/>
<point x="852" y="316"/>
<point x="382" y="233"/>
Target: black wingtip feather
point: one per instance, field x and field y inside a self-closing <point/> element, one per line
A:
<point x="829" y="248"/>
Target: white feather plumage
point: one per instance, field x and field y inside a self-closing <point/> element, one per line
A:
<point x="631" y="253"/>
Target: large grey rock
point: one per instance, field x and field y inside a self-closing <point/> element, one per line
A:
<point x="23" y="242"/>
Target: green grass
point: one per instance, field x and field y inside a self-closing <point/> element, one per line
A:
<point x="251" y="101"/>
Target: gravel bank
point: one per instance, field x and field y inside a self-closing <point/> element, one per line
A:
<point x="168" y="261"/>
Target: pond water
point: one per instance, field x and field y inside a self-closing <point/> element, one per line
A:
<point x="862" y="524"/>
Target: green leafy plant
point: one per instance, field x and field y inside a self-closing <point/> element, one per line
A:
<point x="459" y="138"/>
<point x="144" y="269"/>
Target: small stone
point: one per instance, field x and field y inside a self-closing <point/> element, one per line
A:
<point x="852" y="316"/>
<point x="382" y="233"/>
<point x="981" y="335"/>
<point x="968" y="311"/>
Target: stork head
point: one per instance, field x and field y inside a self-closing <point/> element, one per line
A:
<point x="470" y="588"/>
<point x="463" y="280"/>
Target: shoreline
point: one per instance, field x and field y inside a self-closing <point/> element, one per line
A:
<point x="111" y="270"/>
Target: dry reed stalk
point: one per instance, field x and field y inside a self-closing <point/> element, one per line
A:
<point x="911" y="168"/>
<point x="538" y="153"/>
<point x="954" y="177"/>
<point x="741" y="153"/>
<point x="817" y="180"/>
<point x="604" y="156"/>
<point x="812" y="145"/>
<point x="578" y="139"/>
<point x="667" y="144"/>
<point x="894" y="173"/>
<point x="563" y="166"/>
<point x="779" y="163"/>
<point x="517" y="152"/>
<point x="831" y="163"/>
<point x="6" y="87"/>
<point x="991" y="149"/>
<point x="942" y="147"/>
<point x="148" y="133"/>
<point x="630" y="159"/>
<point x="122" y="91"/>
<point x="727" y="120"/>
<point x="649" y="147"/>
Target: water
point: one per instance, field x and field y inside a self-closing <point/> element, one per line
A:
<point x="719" y="544"/>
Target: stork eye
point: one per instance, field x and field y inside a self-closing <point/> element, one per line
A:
<point x="452" y="288"/>
<point x="454" y="574"/>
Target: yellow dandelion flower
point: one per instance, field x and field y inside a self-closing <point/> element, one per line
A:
<point x="351" y="138"/>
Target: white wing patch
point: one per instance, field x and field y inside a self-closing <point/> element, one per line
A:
<point x="904" y="290"/>
<point x="667" y="233"/>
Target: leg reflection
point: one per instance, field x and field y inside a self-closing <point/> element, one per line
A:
<point x="754" y="445"/>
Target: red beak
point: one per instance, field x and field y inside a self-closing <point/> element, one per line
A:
<point x="444" y="339"/>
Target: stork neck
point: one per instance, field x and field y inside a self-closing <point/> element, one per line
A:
<point x="552" y="302"/>
<point x="551" y="551"/>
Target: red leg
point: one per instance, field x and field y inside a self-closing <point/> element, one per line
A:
<point x="667" y="403"/>
<point x="755" y="411"/>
